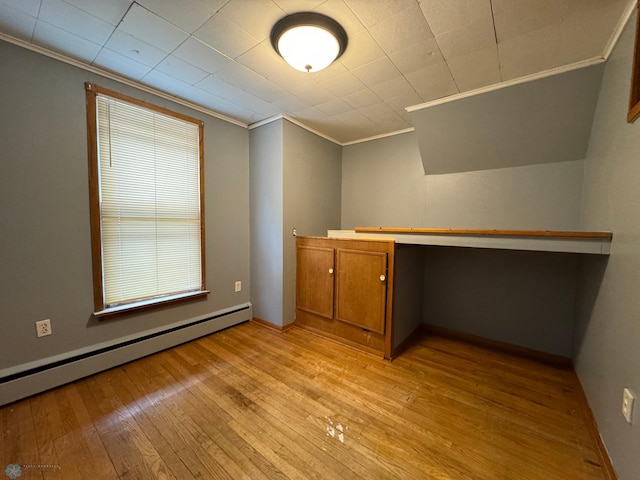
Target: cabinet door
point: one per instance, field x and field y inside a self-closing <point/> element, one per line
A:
<point x="314" y="280"/>
<point x="361" y="288"/>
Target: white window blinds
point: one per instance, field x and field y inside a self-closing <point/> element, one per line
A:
<point x="149" y="188"/>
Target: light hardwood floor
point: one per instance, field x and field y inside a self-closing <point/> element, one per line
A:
<point x="254" y="403"/>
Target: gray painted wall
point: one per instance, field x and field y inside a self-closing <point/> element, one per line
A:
<point x="295" y="182"/>
<point x="266" y="180"/>
<point x="534" y="197"/>
<point x="312" y="197"/>
<point x="520" y="298"/>
<point x="383" y="184"/>
<point x="408" y="289"/>
<point x="45" y="250"/>
<point x="607" y="352"/>
<point x="545" y="121"/>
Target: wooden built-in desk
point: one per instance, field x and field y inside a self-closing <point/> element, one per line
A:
<point x="362" y="286"/>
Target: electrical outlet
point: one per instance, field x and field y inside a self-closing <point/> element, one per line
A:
<point x="238" y="286"/>
<point x="627" y="404"/>
<point x="43" y="328"/>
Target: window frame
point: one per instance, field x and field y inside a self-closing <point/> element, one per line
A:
<point x="100" y="308"/>
<point x="634" y="90"/>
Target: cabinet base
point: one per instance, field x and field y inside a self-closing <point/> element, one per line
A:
<point x="341" y="340"/>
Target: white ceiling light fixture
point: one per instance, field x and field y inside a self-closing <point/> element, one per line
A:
<point x="308" y="41"/>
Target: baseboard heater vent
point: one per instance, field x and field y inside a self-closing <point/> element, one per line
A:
<point x="56" y="372"/>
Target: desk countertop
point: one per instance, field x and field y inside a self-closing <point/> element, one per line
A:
<point x="575" y="241"/>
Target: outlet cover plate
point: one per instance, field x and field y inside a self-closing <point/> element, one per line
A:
<point x="627" y="404"/>
<point x="43" y="328"/>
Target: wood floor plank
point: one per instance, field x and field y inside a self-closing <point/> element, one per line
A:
<point x="415" y="434"/>
<point x="290" y="403"/>
<point x="191" y="435"/>
<point x="288" y="407"/>
<point x="376" y="410"/>
<point x="129" y="448"/>
<point x="241" y="406"/>
<point x="462" y="413"/>
<point x="19" y="444"/>
<point x="80" y="451"/>
<point x="254" y="403"/>
<point x="213" y="417"/>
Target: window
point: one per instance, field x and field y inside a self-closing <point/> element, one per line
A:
<point x="147" y="203"/>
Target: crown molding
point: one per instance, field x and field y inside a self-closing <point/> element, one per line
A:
<point x="103" y="73"/>
<point x="509" y="83"/>
<point x="631" y="7"/>
<point x="295" y="122"/>
<point x="377" y="137"/>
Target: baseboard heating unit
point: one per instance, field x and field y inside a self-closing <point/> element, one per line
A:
<point x="28" y="379"/>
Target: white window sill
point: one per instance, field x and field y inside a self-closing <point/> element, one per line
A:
<point x="154" y="302"/>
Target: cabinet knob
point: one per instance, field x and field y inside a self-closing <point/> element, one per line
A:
<point x="382" y="278"/>
<point x="331" y="271"/>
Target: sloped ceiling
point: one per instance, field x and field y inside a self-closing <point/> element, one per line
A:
<point x="544" y="121"/>
<point x="217" y="54"/>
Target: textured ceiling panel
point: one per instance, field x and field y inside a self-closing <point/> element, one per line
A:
<point x="217" y="53"/>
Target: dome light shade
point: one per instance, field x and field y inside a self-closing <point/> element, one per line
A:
<point x="307" y="48"/>
<point x="307" y="41"/>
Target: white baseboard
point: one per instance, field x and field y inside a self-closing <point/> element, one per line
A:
<point x="25" y="380"/>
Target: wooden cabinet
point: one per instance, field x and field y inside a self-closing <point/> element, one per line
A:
<point x="314" y="280"/>
<point x="344" y="290"/>
<point x="361" y="288"/>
